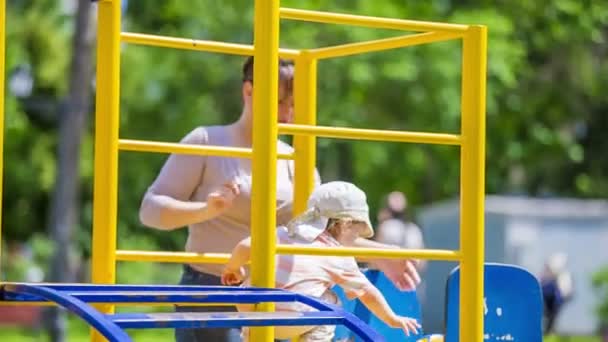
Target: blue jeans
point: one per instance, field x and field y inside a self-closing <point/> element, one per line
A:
<point x="193" y="277"/>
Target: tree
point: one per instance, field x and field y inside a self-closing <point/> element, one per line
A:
<point x="65" y="200"/>
<point x="545" y="135"/>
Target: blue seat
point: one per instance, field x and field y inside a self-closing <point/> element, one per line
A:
<point x="513" y="304"/>
<point x="403" y="303"/>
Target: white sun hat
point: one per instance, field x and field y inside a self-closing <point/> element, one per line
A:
<point x="331" y="200"/>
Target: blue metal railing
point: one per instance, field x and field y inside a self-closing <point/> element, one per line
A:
<point x="77" y="297"/>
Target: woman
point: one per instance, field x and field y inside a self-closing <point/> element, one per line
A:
<point x="212" y="196"/>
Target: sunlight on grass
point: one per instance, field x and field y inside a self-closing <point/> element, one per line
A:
<point x="78" y="331"/>
<point x="554" y="338"/>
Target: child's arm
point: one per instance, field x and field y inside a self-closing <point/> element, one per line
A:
<point x="375" y="302"/>
<point x="355" y="284"/>
<point x="233" y="271"/>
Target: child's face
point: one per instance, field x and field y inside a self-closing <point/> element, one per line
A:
<point x="350" y="231"/>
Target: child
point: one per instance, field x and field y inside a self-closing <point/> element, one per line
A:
<point x="337" y="215"/>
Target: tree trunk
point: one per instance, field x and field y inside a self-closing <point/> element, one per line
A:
<point x="72" y="118"/>
<point x="345" y="161"/>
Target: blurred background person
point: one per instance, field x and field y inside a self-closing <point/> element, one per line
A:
<point x="557" y="289"/>
<point x="395" y="226"/>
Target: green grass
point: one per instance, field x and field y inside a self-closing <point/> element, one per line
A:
<point x="571" y="339"/>
<point x="78" y="331"/>
<point x="82" y="335"/>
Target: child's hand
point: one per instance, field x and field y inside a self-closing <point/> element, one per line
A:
<point x="222" y="198"/>
<point x="233" y="276"/>
<point x="407" y="324"/>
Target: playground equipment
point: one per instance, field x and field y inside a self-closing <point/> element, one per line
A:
<point x="513" y="304"/>
<point x="512" y="307"/>
<point x="75" y="298"/>
<point x="510" y="294"/>
<point x="471" y="141"/>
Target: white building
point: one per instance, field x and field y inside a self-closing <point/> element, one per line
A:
<point x="524" y="231"/>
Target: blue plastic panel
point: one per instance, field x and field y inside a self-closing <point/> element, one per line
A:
<point x="513" y="305"/>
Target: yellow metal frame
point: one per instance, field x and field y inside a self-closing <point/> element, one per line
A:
<point x="471" y="141"/>
<point x="2" y="73"/>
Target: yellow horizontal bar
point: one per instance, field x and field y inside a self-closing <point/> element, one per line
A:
<point x="370" y="134"/>
<point x="382" y="44"/>
<point x="431" y="254"/>
<point x="197" y="45"/>
<point x="172" y="257"/>
<point x="367" y="21"/>
<point x="164" y="147"/>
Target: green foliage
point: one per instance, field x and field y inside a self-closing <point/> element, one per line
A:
<point x="38" y="37"/>
<point x="600" y="283"/>
<point x="144" y="272"/>
<point x="21" y="262"/>
<point x="547" y="69"/>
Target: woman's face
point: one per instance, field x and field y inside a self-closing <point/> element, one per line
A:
<point x="285" y="106"/>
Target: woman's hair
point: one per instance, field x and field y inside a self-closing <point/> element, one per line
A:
<point x="286" y="72"/>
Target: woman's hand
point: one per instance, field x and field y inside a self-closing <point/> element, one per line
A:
<point x="221" y="199"/>
<point x="232" y="276"/>
<point x="402" y="272"/>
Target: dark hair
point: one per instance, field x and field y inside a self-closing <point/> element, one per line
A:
<point x="286" y="71"/>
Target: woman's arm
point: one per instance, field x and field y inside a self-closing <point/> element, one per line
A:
<point x="366" y="243"/>
<point x="167" y="204"/>
<point x="402" y="272"/>
<point x="165" y="212"/>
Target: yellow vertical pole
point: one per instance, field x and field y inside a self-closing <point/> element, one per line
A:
<point x="472" y="184"/>
<point x="263" y="197"/>
<point x="305" y="113"/>
<point x="2" y="73"/>
<point x="106" y="146"/>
